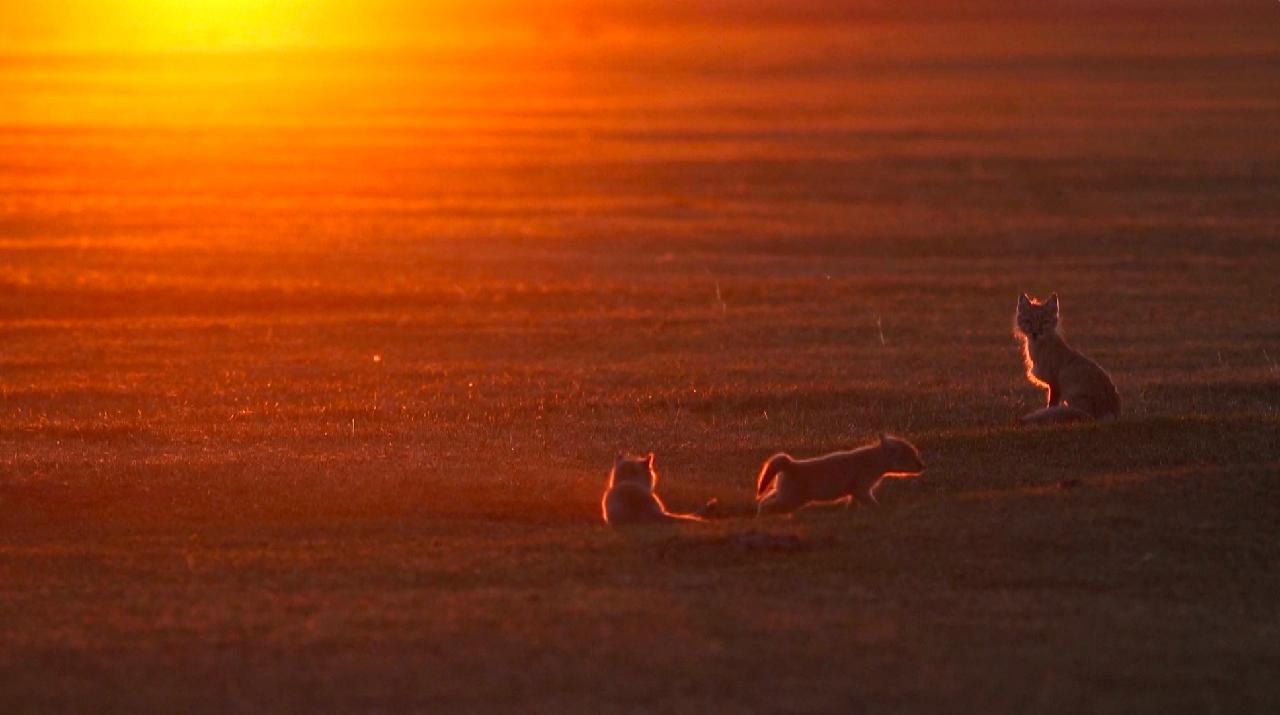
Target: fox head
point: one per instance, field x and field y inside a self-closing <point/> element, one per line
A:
<point x="901" y="455"/>
<point x="634" y="470"/>
<point x="1035" y="319"/>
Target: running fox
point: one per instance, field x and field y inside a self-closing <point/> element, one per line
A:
<point x="850" y="476"/>
<point x="1079" y="390"/>
<point x="630" y="499"/>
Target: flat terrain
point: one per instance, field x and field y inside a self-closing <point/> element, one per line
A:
<point x="312" y="368"/>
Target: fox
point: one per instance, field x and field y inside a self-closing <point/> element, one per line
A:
<point x="630" y="497"/>
<point x="785" y="484"/>
<point x="1079" y="390"/>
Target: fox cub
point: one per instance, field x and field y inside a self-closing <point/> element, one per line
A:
<point x="630" y="499"/>
<point x="786" y="484"/>
<point x="1078" y="388"/>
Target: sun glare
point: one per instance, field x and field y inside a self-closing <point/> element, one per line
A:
<point x="234" y="25"/>
<point x="224" y="24"/>
<point x="165" y="25"/>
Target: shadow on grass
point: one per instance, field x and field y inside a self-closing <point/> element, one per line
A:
<point x="1016" y="456"/>
<point x="1234" y="395"/>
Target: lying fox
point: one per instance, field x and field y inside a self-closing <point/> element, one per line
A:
<point x="850" y="476"/>
<point x="1079" y="390"/>
<point x="630" y="499"/>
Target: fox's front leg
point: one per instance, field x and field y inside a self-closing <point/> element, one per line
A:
<point x="865" y="498"/>
<point x="1055" y="395"/>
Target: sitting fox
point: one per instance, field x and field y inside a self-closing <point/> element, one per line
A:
<point x="630" y="499"/>
<point x="786" y="484"/>
<point x="1079" y="390"/>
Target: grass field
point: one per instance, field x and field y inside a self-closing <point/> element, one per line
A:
<point x="308" y="397"/>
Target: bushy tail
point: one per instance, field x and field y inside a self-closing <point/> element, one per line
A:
<point x="628" y="505"/>
<point x="1056" y="415"/>
<point x="703" y="514"/>
<point x="769" y="471"/>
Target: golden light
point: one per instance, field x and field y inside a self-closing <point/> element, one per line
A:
<point x="223" y="24"/>
<point x="234" y="25"/>
<point x="164" y="25"/>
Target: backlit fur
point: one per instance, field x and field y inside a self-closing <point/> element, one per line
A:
<point x="1078" y="389"/>
<point x="630" y="497"/>
<point x="785" y="484"/>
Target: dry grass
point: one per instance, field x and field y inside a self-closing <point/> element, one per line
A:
<point x="214" y="498"/>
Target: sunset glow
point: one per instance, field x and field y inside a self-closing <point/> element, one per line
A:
<point x="227" y="24"/>
<point x="323" y="321"/>
<point x="242" y="25"/>
<point x="166" y="25"/>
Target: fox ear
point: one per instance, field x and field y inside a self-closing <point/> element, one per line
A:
<point x="649" y="459"/>
<point x="1024" y="301"/>
<point x="1052" y="303"/>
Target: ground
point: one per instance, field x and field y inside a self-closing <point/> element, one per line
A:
<point x="319" y="420"/>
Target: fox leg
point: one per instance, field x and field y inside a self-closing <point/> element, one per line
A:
<point x="866" y="498"/>
<point x="1055" y="395"/>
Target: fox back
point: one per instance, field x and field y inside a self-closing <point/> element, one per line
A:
<point x="786" y="484"/>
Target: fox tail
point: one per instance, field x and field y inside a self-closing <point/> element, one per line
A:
<point x="1057" y="414"/>
<point x="770" y="470"/>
